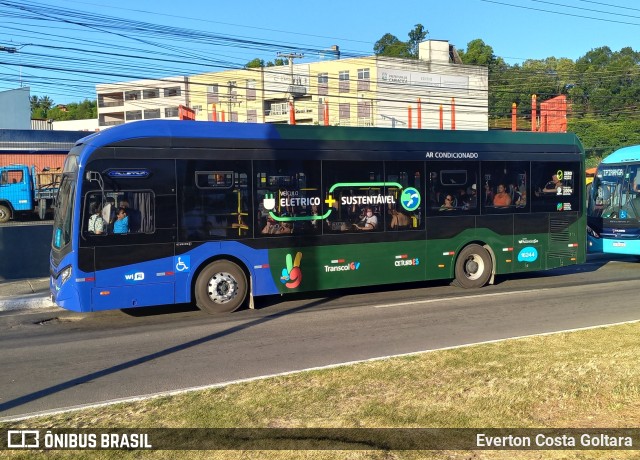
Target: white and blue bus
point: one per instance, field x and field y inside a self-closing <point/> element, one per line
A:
<point x="613" y="209"/>
<point x="159" y="212"/>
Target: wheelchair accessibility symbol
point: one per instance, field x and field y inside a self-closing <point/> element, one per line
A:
<point x="182" y="263"/>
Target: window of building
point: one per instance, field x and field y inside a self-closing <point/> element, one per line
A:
<point x="344" y="111"/>
<point x="171" y="112"/>
<point x="212" y="94"/>
<point x="251" y="90"/>
<point x="151" y="113"/>
<point x="364" y="109"/>
<point x="173" y="91"/>
<point x="233" y="91"/>
<point x="323" y="84"/>
<point x="343" y="81"/>
<point x="133" y="115"/>
<point x="363" y="80"/>
<point x="151" y="93"/>
<point x="133" y="95"/>
<point x="252" y="116"/>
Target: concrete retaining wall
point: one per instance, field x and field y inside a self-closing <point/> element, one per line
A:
<point x="24" y="251"/>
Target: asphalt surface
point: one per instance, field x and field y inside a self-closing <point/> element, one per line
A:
<point x="25" y="293"/>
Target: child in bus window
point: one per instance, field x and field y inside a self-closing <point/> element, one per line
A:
<point x="121" y="225"/>
<point x="96" y="223"/>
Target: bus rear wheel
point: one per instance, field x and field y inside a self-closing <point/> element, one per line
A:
<point x="221" y="287"/>
<point x="473" y="267"/>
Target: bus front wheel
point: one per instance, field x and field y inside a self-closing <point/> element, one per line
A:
<point x="473" y="267"/>
<point x="221" y="287"/>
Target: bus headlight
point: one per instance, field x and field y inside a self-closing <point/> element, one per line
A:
<point x="65" y="274"/>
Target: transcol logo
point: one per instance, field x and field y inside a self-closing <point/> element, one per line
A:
<point x="342" y="267"/>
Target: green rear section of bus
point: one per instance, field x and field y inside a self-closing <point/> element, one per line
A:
<point x="349" y="265"/>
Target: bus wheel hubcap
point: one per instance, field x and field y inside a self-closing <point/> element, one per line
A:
<point x="474" y="267"/>
<point x="222" y="287"/>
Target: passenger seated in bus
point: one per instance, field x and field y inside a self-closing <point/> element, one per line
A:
<point x="552" y="187"/>
<point x="521" y="202"/>
<point x="285" y="228"/>
<point x="488" y="194"/>
<point x="121" y="225"/>
<point x="370" y="221"/>
<point x="448" y="203"/>
<point x="271" y="227"/>
<point x="502" y="198"/>
<point x="472" y="193"/>
<point x="96" y="223"/>
<point x="398" y="219"/>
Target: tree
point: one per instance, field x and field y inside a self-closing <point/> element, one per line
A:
<point x="416" y="36"/>
<point x="40" y="106"/>
<point x="254" y="64"/>
<point x="389" y="45"/>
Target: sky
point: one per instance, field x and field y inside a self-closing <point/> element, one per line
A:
<point x="64" y="48"/>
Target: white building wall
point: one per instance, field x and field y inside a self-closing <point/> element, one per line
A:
<point x="16" y="109"/>
<point x="76" y="125"/>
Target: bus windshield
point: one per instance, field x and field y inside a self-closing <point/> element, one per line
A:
<point x="64" y="213"/>
<point x="615" y="193"/>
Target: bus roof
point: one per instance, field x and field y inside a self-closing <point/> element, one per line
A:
<point x="624" y="155"/>
<point x="259" y="131"/>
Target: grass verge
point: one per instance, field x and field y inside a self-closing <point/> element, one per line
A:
<point x="585" y="379"/>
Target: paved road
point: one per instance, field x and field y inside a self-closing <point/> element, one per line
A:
<point x="55" y="359"/>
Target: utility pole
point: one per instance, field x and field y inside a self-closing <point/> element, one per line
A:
<point x="290" y="57"/>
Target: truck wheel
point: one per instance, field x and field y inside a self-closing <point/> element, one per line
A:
<point x="42" y="209"/>
<point x="473" y="267"/>
<point x="5" y="214"/>
<point x="221" y="287"/>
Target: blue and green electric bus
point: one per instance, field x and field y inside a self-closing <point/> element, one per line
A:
<point x="160" y="212"/>
<point x="613" y="210"/>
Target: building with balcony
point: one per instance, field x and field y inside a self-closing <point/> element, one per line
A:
<point x="433" y="91"/>
<point x="140" y="100"/>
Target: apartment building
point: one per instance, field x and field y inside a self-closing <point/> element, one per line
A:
<point x="140" y="100"/>
<point x="433" y="91"/>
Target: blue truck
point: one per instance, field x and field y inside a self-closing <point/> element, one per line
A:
<point x="25" y="191"/>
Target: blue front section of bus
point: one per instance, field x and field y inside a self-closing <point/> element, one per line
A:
<point x="594" y="245"/>
<point x="157" y="282"/>
<point x="620" y="246"/>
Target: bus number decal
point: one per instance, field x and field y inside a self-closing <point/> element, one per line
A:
<point x="528" y="254"/>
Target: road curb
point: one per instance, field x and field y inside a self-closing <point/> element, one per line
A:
<point x="25" y="302"/>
